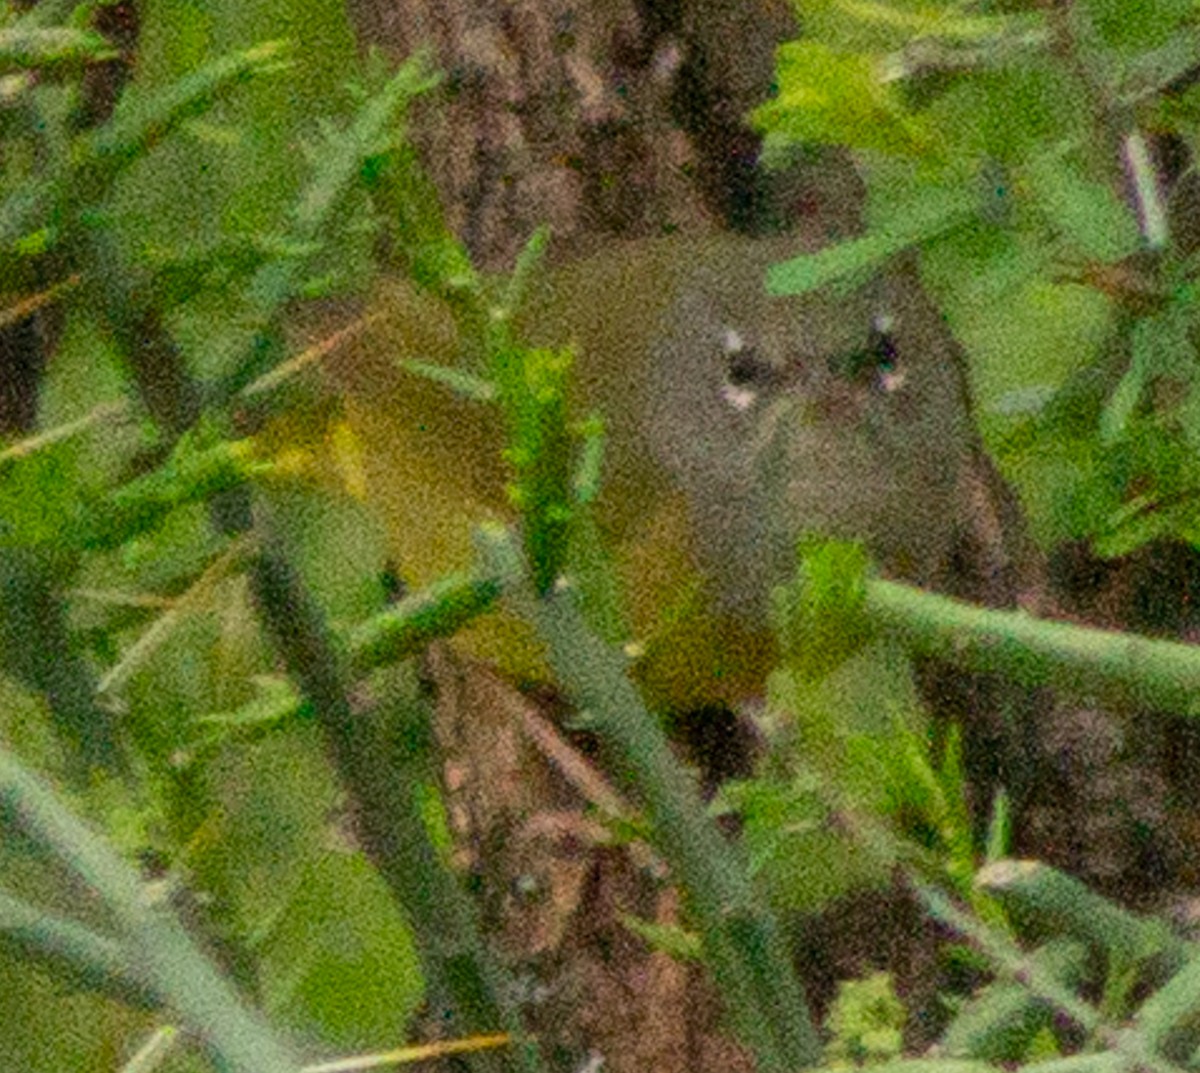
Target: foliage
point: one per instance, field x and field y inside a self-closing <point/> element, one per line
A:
<point x="1023" y="150"/>
<point x="110" y="559"/>
<point x="202" y="652"/>
<point x="1022" y="147"/>
<point x="244" y="851"/>
<point x="866" y="1023"/>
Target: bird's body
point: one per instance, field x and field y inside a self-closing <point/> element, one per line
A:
<point x="735" y="422"/>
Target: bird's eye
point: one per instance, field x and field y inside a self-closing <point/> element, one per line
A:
<point x="747" y="372"/>
<point x="878" y="362"/>
<point x="881" y="345"/>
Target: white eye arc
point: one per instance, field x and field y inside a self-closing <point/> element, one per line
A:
<point x="740" y="398"/>
<point x="891" y="374"/>
<point x="742" y="372"/>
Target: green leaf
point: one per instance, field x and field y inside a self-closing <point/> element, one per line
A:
<point x="341" y="963"/>
<point x="799" y="848"/>
<point x="464" y="384"/>
<point x="1114" y="421"/>
<point x="819" y="616"/>
<point x="338" y="172"/>
<point x="866" y="1023"/>
<point x="24" y="230"/>
<point x="51" y="46"/>
<point x="137" y="127"/>
<point x="934" y="213"/>
<point x="335" y="543"/>
<point x="671" y="939"/>
<point x="1002" y="1022"/>
<point x="408" y="626"/>
<point x="79" y="958"/>
<point x="874" y="25"/>
<point x="541" y="451"/>
<point x="841" y="98"/>
<point x="1011" y="114"/>
<point x="529" y="261"/>
<point x="594" y="573"/>
<point x="38" y="496"/>
<point x="196" y="470"/>
<point x="1137" y="26"/>
<point x="276" y="702"/>
<point x="1085" y="211"/>
<point x="1144" y="72"/>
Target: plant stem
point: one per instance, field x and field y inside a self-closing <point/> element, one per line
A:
<point x="375" y="760"/>
<point x="75" y="954"/>
<point x="741" y="939"/>
<point x="1103" y="666"/>
<point x="155" y="941"/>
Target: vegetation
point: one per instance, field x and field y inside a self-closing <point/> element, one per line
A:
<point x="226" y="841"/>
